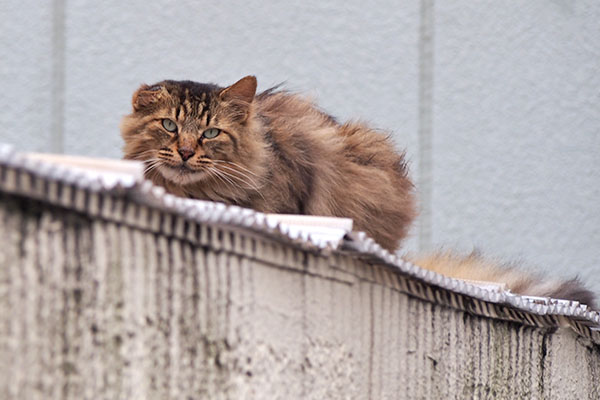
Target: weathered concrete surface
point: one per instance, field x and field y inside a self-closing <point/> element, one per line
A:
<point x="94" y="309"/>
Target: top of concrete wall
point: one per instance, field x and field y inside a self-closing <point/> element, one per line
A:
<point x="31" y="176"/>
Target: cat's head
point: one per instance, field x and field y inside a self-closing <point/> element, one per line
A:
<point x="187" y="131"/>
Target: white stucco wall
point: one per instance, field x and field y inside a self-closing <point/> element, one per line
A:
<point x="513" y="116"/>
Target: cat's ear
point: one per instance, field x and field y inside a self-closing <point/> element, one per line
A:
<point x="243" y="90"/>
<point x="146" y="96"/>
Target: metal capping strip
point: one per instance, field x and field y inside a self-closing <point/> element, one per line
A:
<point x="75" y="189"/>
<point x="59" y="185"/>
<point x="535" y="311"/>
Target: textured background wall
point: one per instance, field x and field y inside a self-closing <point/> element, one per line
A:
<point x="498" y="104"/>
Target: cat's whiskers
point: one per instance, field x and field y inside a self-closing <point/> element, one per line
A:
<point x="244" y="181"/>
<point x="249" y="181"/>
<point x="151" y="164"/>
<point x="218" y="175"/>
<point x="225" y="179"/>
<point x="152" y="160"/>
<point x="212" y="172"/>
<point x="240" y="167"/>
<point x="255" y="185"/>
<point x="143" y="156"/>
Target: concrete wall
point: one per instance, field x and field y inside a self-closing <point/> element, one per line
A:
<point x="498" y="104"/>
<point x="103" y="297"/>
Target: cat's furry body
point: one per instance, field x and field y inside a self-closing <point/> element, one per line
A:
<point x="474" y="267"/>
<point x="277" y="152"/>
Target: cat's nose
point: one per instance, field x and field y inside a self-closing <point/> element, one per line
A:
<point x="186" y="153"/>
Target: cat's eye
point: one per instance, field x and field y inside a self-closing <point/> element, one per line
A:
<point x="211" y="133"/>
<point x="169" y="125"/>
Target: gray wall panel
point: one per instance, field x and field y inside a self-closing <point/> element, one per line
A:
<point x="517" y="132"/>
<point x="26" y="67"/>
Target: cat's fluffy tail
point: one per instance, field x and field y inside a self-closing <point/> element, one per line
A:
<point x="476" y="268"/>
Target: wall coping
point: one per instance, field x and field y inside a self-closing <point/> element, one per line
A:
<point x="126" y="197"/>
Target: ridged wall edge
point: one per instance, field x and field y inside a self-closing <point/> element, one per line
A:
<point x="153" y="207"/>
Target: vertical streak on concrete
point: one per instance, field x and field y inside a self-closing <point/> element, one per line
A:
<point x="426" y="31"/>
<point x="58" y="76"/>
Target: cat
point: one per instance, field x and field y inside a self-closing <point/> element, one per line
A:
<point x="273" y="152"/>
<point x="277" y="152"/>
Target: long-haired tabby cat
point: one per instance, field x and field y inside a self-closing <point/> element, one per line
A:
<point x="277" y="152"/>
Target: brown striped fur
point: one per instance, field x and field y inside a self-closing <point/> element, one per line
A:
<point x="277" y="152"/>
<point x="474" y="267"/>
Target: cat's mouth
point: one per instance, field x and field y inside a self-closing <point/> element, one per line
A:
<point x="181" y="168"/>
<point x="181" y="174"/>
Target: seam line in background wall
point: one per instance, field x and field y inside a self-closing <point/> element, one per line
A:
<point x="426" y="32"/>
<point x="58" y="76"/>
